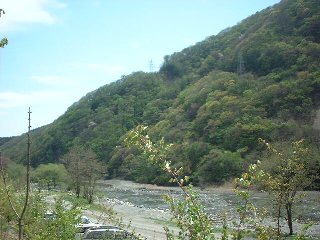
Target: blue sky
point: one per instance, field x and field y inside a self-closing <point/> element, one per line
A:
<point x="59" y="50"/>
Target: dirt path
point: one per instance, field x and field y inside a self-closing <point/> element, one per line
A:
<point x="145" y="222"/>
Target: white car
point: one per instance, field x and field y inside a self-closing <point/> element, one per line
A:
<point x="86" y="223"/>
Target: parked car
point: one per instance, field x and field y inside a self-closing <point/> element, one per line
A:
<point x="85" y="220"/>
<point x="50" y="215"/>
<point x="107" y="232"/>
<point x="86" y="223"/>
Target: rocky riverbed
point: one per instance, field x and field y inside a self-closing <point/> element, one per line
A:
<point x="144" y="207"/>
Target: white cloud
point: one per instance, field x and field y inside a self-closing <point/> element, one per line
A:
<point x="53" y="80"/>
<point x="105" y="67"/>
<point x="21" y="12"/>
<point x="101" y="67"/>
<point x="10" y="100"/>
<point x="45" y="105"/>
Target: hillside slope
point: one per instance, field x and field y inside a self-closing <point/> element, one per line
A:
<point x="214" y="100"/>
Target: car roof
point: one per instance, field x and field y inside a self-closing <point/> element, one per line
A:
<point x="100" y="233"/>
<point x="105" y="229"/>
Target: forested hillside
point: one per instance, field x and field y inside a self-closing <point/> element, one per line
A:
<point x="213" y="101"/>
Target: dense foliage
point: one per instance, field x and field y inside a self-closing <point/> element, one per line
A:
<point x="214" y="100"/>
<point x="290" y="174"/>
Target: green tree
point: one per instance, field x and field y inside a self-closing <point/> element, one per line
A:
<point x="15" y="171"/>
<point x="93" y="172"/>
<point x="170" y="69"/>
<point x="289" y="173"/>
<point x="84" y="170"/>
<point x="188" y="213"/>
<point x="248" y="212"/>
<point x="60" y="225"/>
<point x="75" y="162"/>
<point x="20" y="210"/>
<point x="50" y="175"/>
<point x="4" y="41"/>
<point x="6" y="213"/>
<point x="219" y="166"/>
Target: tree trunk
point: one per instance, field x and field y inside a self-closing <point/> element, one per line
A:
<point x="278" y="221"/>
<point x="91" y="191"/>
<point x="289" y="217"/>
<point x="78" y="191"/>
<point x="20" y="228"/>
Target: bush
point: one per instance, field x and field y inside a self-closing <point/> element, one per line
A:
<point x="218" y="167"/>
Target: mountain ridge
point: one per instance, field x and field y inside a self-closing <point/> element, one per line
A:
<point x="214" y="100"/>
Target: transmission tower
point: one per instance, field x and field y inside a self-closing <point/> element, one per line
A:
<point x="151" y="65"/>
<point x="241" y="68"/>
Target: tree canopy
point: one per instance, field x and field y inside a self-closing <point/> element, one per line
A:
<point x="202" y="102"/>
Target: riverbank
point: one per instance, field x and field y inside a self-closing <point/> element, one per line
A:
<point x="147" y="221"/>
<point x="142" y="205"/>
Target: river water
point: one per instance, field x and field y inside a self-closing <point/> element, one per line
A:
<point x="216" y="201"/>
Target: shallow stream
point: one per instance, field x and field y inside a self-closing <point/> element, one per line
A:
<point x="216" y="201"/>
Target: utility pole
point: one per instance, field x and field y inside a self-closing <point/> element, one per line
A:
<point x="20" y="219"/>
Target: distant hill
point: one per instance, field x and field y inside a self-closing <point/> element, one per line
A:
<point x="213" y="100"/>
<point x="3" y="140"/>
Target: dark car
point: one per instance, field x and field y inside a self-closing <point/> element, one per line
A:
<point x="107" y="232"/>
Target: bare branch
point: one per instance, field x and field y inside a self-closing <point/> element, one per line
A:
<point x="6" y="187"/>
